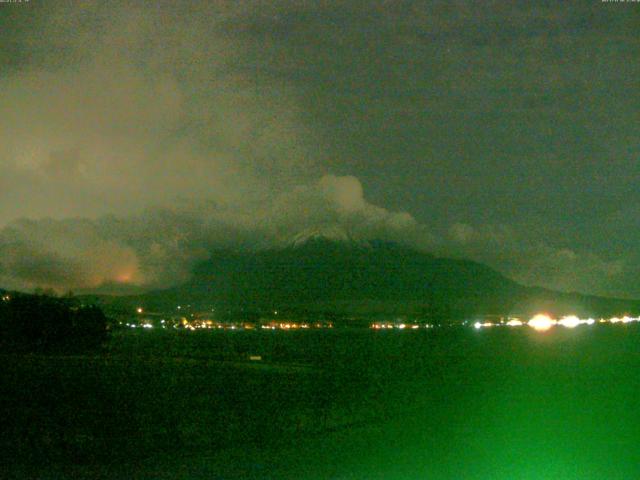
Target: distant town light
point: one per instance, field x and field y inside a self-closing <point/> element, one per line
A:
<point x="479" y="325"/>
<point x="514" y="322"/>
<point x="541" y="322"/>
<point x="570" y="321"/>
<point x="139" y="309"/>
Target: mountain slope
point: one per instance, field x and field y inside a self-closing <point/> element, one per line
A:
<point x="345" y="276"/>
<point x="321" y="272"/>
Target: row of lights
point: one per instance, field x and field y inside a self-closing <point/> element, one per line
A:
<point x="542" y="322"/>
<point x="295" y="326"/>
<point x="400" y="326"/>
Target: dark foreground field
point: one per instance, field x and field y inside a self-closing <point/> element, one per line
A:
<point x="342" y="404"/>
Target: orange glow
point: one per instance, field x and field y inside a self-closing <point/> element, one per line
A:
<point x="124" y="277"/>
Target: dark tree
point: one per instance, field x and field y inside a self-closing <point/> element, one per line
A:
<point x="89" y="326"/>
<point x="44" y="323"/>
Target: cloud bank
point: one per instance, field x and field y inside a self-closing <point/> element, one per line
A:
<point x="134" y="139"/>
<point x="532" y="261"/>
<point x="137" y="140"/>
<point x="159" y="246"/>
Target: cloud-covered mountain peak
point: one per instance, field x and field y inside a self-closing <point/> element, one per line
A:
<point x="330" y="233"/>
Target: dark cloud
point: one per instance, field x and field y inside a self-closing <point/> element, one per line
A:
<point x="150" y="133"/>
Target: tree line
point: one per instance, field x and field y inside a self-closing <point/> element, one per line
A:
<point x="44" y="323"/>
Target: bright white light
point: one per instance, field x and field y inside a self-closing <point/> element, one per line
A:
<point x="615" y="320"/>
<point x="147" y="325"/>
<point x="570" y="321"/>
<point x="483" y="325"/>
<point x="589" y="321"/>
<point x="514" y="323"/>
<point x="541" y="322"/>
<point x="401" y="326"/>
<point x="139" y="309"/>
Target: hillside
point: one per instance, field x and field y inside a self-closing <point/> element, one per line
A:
<point x="342" y="276"/>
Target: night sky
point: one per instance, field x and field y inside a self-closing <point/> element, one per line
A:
<point x="136" y="137"/>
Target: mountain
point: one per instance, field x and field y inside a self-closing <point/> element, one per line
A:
<point x="328" y="233"/>
<point x="316" y="272"/>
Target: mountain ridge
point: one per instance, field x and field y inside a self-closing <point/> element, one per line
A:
<point x="337" y="274"/>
